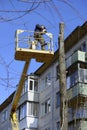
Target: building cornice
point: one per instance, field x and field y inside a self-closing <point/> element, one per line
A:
<point x="6" y="102"/>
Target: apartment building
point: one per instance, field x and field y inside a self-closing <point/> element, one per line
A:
<point x="28" y="107"/>
<point x="39" y="106"/>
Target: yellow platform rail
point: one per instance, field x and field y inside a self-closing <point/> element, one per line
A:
<point x="24" y="39"/>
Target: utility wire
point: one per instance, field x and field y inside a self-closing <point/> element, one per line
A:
<point x="57" y="10"/>
<point x="74" y="9"/>
<point x="15" y="10"/>
<point x="36" y="1"/>
<point x="32" y="8"/>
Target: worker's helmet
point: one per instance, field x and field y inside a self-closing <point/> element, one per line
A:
<point x="43" y="26"/>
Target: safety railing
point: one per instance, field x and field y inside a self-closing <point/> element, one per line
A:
<point x="25" y="39"/>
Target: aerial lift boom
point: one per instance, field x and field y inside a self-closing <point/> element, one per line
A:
<point x="14" y="120"/>
<point x="26" y="54"/>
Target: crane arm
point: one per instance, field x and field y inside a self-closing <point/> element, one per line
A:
<point x="13" y="115"/>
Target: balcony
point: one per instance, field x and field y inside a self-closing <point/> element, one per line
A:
<point x="30" y="90"/>
<point x="29" y="122"/>
<point x="78" y="56"/>
<point x="78" y="114"/>
<point x="29" y="96"/>
<point x="77" y="95"/>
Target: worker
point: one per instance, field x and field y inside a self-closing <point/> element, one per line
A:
<point x="38" y="32"/>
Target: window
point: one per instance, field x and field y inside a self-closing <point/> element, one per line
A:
<point x="70" y="113"/>
<point x="86" y="57"/>
<point x="77" y="76"/>
<point x="57" y="99"/>
<point x="45" y="107"/>
<point x="57" y="72"/>
<point x="68" y="62"/>
<point x="22" y="111"/>
<point x="48" y="79"/>
<point x="73" y="78"/>
<point x="58" y="125"/>
<point x="84" y="47"/>
<point x="68" y="82"/>
<point x="33" y="108"/>
<point x="83" y="75"/>
<point x="4" y="116"/>
<point x="25" y="87"/>
<point x="33" y="85"/>
<point x="47" y="128"/>
<point x="71" y="127"/>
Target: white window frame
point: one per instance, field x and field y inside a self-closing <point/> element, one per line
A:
<point x="33" y="108"/>
<point x="34" y="85"/>
<point x="25" y="87"/>
<point x="46" y="107"/>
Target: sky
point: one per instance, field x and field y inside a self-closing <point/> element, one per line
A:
<point x="24" y="15"/>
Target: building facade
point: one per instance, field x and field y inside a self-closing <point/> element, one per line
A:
<point x="39" y="106"/>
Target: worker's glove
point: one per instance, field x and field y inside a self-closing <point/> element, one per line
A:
<point x="49" y="35"/>
<point x="44" y="31"/>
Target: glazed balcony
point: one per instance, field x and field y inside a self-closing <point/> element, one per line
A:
<point x="30" y="90"/>
<point x="78" y="56"/>
<point x="29" y="96"/>
<point x="29" y="122"/>
<point x="77" y="94"/>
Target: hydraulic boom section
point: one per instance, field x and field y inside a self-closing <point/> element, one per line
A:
<point x="13" y="114"/>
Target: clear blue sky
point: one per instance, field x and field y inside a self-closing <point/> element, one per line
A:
<point x="50" y="13"/>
